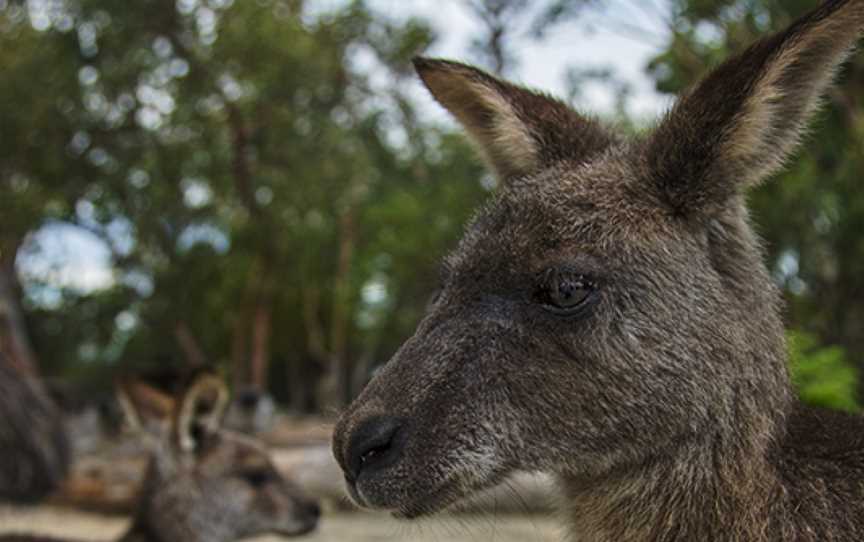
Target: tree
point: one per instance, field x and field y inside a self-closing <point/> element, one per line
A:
<point x="35" y="184"/>
<point x="268" y="207"/>
<point x="499" y="20"/>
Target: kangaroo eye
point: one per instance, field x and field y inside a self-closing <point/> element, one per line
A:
<point x="565" y="292"/>
<point x="257" y="477"/>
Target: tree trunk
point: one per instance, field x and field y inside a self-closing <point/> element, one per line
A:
<point x="33" y="443"/>
<point x="261" y="332"/>
<point x="195" y="356"/>
<point x="239" y="376"/>
<point x="333" y="391"/>
<point x="14" y="342"/>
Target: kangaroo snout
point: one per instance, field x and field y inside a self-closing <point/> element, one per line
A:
<point x="366" y="449"/>
<point x="374" y="444"/>
<point x="309" y="512"/>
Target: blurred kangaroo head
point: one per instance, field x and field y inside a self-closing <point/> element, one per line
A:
<point x="204" y="482"/>
<point x="609" y="304"/>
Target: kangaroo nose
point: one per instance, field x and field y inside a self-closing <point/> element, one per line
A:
<point x="375" y="443"/>
<point x="313" y="510"/>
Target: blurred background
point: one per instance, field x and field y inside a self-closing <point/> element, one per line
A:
<point x="263" y="187"/>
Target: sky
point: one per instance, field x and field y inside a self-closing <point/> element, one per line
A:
<point x="596" y="40"/>
<point x="69" y="257"/>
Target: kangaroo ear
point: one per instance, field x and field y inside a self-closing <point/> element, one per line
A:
<point x="145" y="409"/>
<point x="199" y="411"/>
<point x="518" y="131"/>
<point x="741" y="123"/>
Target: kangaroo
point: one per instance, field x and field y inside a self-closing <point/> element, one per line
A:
<point x="608" y="318"/>
<point x="203" y="483"/>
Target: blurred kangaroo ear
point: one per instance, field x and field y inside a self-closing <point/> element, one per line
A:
<point x="742" y="122"/>
<point x="145" y="409"/>
<point x="199" y="411"/>
<point x="518" y="131"/>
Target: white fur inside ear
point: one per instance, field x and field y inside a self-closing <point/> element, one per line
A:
<point x="207" y="389"/>
<point x="185" y="419"/>
<point x="130" y="414"/>
<point x="785" y="98"/>
<point x="508" y="137"/>
<point x="146" y="410"/>
<point x="502" y="137"/>
<point x="751" y="134"/>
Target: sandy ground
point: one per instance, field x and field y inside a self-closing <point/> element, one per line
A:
<point x="340" y="527"/>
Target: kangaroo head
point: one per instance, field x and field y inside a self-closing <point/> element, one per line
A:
<point x="204" y="482"/>
<point x="609" y="305"/>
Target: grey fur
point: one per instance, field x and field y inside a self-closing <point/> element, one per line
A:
<point x="663" y="402"/>
<point x="225" y="488"/>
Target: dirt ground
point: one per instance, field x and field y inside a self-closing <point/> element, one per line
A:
<point x="339" y="527"/>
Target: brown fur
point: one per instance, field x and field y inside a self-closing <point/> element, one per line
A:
<point x="661" y="400"/>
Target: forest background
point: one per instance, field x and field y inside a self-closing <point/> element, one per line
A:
<point x="261" y="185"/>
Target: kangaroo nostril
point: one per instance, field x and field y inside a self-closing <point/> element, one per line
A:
<point x="374" y="442"/>
<point x="313" y="510"/>
<point x="368" y="455"/>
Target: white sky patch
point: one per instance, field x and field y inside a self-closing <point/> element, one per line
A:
<point x="542" y="64"/>
<point x="374" y="296"/>
<point x="196" y="192"/>
<point x="140" y="281"/>
<point x="206" y="234"/>
<point x="126" y="321"/>
<point x="374" y="292"/>
<point x="64" y="256"/>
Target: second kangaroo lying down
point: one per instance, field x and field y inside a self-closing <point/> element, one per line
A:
<point x="204" y="483"/>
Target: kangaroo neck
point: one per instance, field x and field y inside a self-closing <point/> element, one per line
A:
<point x="139" y="531"/>
<point x="709" y="491"/>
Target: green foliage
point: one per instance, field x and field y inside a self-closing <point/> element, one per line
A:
<point x="262" y="197"/>
<point x="822" y="374"/>
<point x="265" y="195"/>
